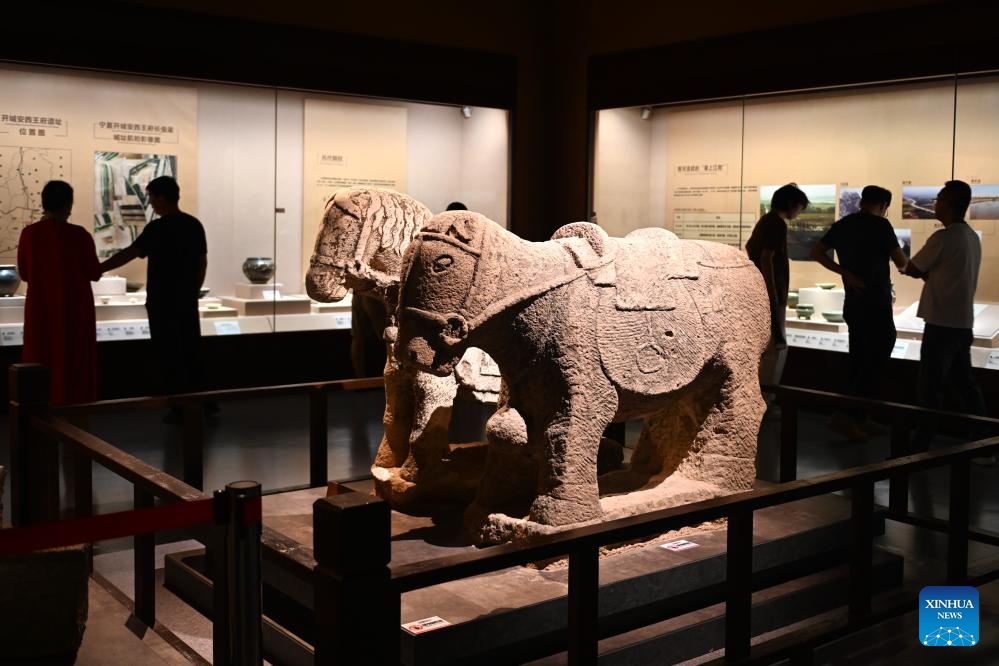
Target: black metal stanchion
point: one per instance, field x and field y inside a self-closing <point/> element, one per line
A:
<point x="237" y="580"/>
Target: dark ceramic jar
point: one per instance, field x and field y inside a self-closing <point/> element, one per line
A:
<point x="258" y="270"/>
<point x="9" y="279"/>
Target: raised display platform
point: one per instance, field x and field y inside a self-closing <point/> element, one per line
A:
<point x="519" y="613"/>
<point x="284" y="305"/>
<point x="817" y="333"/>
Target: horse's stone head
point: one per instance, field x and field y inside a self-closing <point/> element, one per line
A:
<point x="364" y="234"/>
<point x="438" y="278"/>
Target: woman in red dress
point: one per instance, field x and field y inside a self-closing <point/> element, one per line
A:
<point x="58" y="260"/>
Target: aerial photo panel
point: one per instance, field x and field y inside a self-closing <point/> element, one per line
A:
<point x="811" y="224"/>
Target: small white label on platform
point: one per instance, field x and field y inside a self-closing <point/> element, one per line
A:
<point x="993" y="361"/>
<point x="841" y="344"/>
<point x="226" y="327"/>
<point x="271" y="295"/>
<point x="425" y="625"/>
<point x="679" y="544"/>
<point x="341" y="320"/>
<point x="12" y="336"/>
<point x="900" y="349"/>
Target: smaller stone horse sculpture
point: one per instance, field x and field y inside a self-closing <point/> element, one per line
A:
<point x="360" y="246"/>
<point x="587" y="330"/>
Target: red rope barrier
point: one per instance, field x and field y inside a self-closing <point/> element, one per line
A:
<point x="111" y="526"/>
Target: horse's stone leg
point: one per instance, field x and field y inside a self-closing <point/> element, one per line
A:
<point x="398" y="416"/>
<point x="567" y="477"/>
<point x="668" y="434"/>
<point x="428" y="439"/>
<point x="724" y="451"/>
<point x="509" y="481"/>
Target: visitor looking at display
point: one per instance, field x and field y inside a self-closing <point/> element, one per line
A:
<point x="178" y="258"/>
<point x="58" y="260"/>
<point x="948" y="263"/>
<point x="767" y="248"/>
<point x="864" y="243"/>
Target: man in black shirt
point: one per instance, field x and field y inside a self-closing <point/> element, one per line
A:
<point x="767" y="248"/>
<point x="178" y="258"/>
<point x="864" y="242"/>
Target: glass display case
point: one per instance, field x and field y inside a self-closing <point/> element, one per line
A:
<point x="255" y="164"/>
<point x="707" y="170"/>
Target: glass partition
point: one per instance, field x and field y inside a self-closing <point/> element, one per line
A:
<point x="256" y="165"/>
<point x="707" y="171"/>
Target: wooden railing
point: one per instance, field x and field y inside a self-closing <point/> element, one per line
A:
<point x="357" y="592"/>
<point x="36" y="430"/>
<point x="192" y="421"/>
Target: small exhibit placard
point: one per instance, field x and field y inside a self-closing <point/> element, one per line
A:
<point x="226" y="327"/>
<point x="426" y="624"/>
<point x="900" y="349"/>
<point x="341" y="321"/>
<point x="993" y="362"/>
<point x="679" y="544"/>
<point x="11" y="336"/>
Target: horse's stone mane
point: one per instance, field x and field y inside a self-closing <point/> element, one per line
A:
<point x="392" y="218"/>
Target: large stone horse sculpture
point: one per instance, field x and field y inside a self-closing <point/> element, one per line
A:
<point x="587" y="330"/>
<point x="360" y="246"/>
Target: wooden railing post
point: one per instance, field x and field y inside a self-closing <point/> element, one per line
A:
<point x="788" y="438"/>
<point x="83" y="486"/>
<point x="861" y="549"/>
<point x="354" y="596"/>
<point x="584" y="605"/>
<point x="958" y="520"/>
<point x="898" y="484"/>
<point x="318" y="437"/>
<point x="144" y="569"/>
<point x="33" y="480"/>
<point x="739" y="584"/>
<point x="192" y="444"/>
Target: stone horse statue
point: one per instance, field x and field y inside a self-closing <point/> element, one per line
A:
<point x="588" y="330"/>
<point x="360" y="246"/>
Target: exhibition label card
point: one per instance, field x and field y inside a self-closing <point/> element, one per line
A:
<point x="11" y="336"/>
<point x="900" y="349"/>
<point x="226" y="327"/>
<point x="425" y="625"/>
<point x="679" y="544"/>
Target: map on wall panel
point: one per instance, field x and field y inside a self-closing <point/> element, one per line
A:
<point x="23" y="173"/>
<point x="121" y="209"/>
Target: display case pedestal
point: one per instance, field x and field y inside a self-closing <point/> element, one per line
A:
<point x="282" y="306"/>
<point x="252" y="291"/>
<point x="11" y="309"/>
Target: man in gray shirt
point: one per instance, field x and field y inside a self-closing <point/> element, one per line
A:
<point x="948" y="264"/>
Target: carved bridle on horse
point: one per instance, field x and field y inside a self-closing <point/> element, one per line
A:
<point x="459" y="324"/>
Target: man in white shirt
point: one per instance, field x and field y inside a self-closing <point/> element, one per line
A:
<point x="948" y="264"/>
